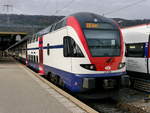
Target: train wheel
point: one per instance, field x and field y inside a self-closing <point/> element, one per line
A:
<point x="56" y="79"/>
<point x="49" y="76"/>
<point x="61" y="82"/>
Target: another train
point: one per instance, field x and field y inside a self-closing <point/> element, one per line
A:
<point x="82" y="52"/>
<point x="137" y="39"/>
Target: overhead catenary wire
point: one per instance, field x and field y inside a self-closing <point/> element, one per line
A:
<point x="125" y="7"/>
<point x="65" y="6"/>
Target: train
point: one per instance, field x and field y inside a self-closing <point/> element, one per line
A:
<point x="82" y="52"/>
<point x="137" y="40"/>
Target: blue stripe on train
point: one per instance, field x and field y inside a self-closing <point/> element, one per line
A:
<point x="146" y="50"/>
<point x="53" y="47"/>
<point x="48" y="47"/>
<point x="71" y="78"/>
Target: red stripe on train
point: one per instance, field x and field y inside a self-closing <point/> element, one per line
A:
<point x="41" y="67"/>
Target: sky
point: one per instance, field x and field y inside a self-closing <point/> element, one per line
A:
<point x="128" y="9"/>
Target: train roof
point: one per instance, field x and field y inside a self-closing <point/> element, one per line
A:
<point x="135" y="26"/>
<point x="83" y="17"/>
<point x="86" y="16"/>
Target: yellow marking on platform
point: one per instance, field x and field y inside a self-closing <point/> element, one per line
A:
<point x="60" y="91"/>
<point x="14" y="33"/>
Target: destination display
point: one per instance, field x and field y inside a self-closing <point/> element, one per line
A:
<point x="90" y="25"/>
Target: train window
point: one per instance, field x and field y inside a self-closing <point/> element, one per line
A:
<point x="48" y="49"/>
<point x="103" y="43"/>
<point x="53" y="27"/>
<point x="135" y="50"/>
<point x="71" y="49"/>
<point x="36" y="38"/>
<point x="34" y="59"/>
<point x="60" y="24"/>
<point x="37" y="59"/>
<point x="29" y="58"/>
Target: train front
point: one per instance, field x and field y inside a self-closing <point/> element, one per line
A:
<point x="100" y="60"/>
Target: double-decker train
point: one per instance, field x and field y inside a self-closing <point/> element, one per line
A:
<point x="82" y="52"/>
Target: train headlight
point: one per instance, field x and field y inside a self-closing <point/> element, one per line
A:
<point x="88" y="66"/>
<point x="121" y="65"/>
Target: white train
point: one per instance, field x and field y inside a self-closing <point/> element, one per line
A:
<point x="81" y="52"/>
<point x="137" y="39"/>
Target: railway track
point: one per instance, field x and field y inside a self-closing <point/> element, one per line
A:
<point x="107" y="105"/>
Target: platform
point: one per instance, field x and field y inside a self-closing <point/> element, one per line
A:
<point x="21" y="92"/>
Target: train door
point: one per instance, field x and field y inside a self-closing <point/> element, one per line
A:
<point x="41" y="67"/>
<point x="148" y="56"/>
<point x="67" y="51"/>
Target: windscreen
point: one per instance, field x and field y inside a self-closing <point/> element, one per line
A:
<point x="103" y="42"/>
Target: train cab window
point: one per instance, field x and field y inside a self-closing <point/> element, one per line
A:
<point x="103" y="42"/>
<point x="48" y="49"/>
<point x="71" y="49"/>
<point x="135" y="50"/>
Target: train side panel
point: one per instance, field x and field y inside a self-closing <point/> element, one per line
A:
<point x="137" y="48"/>
<point x="33" y="55"/>
<point x="55" y="57"/>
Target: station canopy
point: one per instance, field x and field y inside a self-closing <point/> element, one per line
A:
<point x="9" y="38"/>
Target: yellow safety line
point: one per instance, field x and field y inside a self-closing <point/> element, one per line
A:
<point x="21" y="33"/>
<point x="60" y="91"/>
